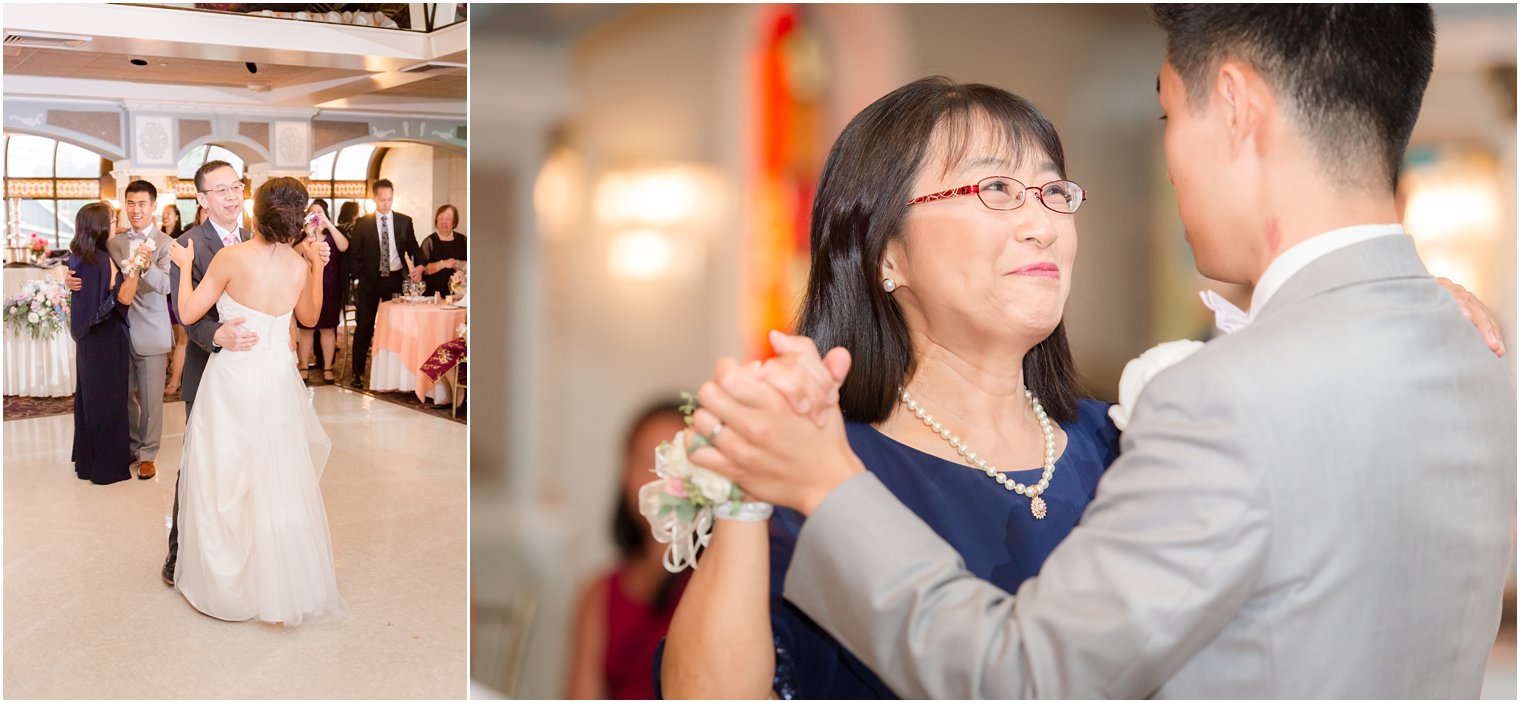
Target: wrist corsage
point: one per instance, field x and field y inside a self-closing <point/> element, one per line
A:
<point x="141" y="258"/>
<point x="683" y="502"/>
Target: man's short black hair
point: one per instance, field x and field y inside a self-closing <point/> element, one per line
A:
<point x="1352" y="76"/>
<point x="141" y="186"/>
<point x="383" y="183"/>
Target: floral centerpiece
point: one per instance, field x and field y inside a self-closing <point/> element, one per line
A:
<point x="40" y="309"/>
<point x="459" y="282"/>
<point x="683" y="502"/>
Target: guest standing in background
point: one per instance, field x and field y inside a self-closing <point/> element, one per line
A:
<point x="170" y="221"/>
<point x="625" y="613"/>
<point x="148" y="327"/>
<point x="98" y="325"/>
<point x="384" y="251"/>
<point x="347" y="215"/>
<point x="444" y="251"/>
<point x="332" y="294"/>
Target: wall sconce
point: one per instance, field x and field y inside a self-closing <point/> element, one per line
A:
<point x="660" y="214"/>
<point x="674" y="196"/>
<point x="558" y="195"/>
<point x="369" y="206"/>
<point x="1453" y="208"/>
<point x="248" y="209"/>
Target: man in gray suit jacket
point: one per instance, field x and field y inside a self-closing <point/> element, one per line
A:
<point x="1318" y="505"/>
<point x="150" y="332"/>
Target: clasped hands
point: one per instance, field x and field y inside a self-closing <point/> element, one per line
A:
<point x="782" y="437"/>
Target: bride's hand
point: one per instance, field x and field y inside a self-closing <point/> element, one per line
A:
<point x="312" y="252"/>
<point x="183" y="255"/>
<point x="773" y="453"/>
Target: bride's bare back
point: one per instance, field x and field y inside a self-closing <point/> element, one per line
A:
<point x="266" y="277"/>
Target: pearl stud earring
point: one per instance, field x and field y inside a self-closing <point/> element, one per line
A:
<point x="888" y="285"/>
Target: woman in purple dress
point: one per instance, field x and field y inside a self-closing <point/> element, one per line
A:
<point x="99" y="327"/>
<point x="332" y="294"/>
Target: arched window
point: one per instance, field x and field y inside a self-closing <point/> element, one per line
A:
<point x="343" y="176"/>
<point x="191" y="162"/>
<point x="47" y="182"/>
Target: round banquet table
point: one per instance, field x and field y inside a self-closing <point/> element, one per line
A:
<point x="37" y="368"/>
<point x="406" y="334"/>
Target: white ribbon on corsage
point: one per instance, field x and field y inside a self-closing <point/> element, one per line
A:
<point x="683" y="502"/>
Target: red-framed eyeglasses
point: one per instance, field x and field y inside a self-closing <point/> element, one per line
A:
<point x="1005" y="193"/>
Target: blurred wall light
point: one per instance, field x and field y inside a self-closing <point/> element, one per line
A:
<point x="676" y="196"/>
<point x="369" y="206"/>
<point x="558" y="195"/>
<point x="1453" y="208"/>
<point x="660" y="215"/>
<point x="642" y="255"/>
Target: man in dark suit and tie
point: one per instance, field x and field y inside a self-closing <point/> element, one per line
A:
<point x="382" y="251"/>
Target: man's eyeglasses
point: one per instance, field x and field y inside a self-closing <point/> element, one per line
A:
<point x="1004" y="193"/>
<point x="224" y="190"/>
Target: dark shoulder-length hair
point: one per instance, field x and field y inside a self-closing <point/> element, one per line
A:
<point x="861" y="203"/>
<point x="347" y="214"/>
<point x="92" y="227"/>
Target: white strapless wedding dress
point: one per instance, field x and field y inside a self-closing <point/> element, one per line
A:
<point x="253" y="531"/>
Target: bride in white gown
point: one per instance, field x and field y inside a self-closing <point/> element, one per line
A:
<point x="254" y="541"/>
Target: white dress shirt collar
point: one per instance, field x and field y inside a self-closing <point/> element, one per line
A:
<point x="223" y="234"/>
<point x="1306" y="252"/>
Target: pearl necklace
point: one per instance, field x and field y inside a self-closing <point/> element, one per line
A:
<point x="1036" y="503"/>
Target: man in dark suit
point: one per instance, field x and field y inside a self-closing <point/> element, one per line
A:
<point x="382" y="251"/>
<point x="219" y="189"/>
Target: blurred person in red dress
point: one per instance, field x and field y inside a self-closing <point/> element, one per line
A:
<point x="623" y="614"/>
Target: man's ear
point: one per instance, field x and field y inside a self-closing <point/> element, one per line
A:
<point x="1247" y="106"/>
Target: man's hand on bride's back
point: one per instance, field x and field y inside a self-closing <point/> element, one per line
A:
<point x="234" y="337"/>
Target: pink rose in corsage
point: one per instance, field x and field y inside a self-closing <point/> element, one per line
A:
<point x="1139" y="372"/>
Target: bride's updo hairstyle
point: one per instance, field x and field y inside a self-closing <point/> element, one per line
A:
<point x="278" y="208"/>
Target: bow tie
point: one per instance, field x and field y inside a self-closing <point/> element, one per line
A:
<point x="137" y="236"/>
<point x="1227" y="317"/>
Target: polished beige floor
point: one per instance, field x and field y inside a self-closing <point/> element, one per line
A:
<point x="87" y="616"/>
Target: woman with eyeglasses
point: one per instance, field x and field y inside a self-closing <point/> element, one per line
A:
<point x="943" y="237"/>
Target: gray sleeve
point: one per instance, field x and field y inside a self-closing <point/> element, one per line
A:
<point x="1168" y="551"/>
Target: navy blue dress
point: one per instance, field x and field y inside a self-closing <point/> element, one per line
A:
<point x="98" y="324"/>
<point x="992" y="528"/>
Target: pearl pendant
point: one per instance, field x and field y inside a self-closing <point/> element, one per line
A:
<point x="1037" y="504"/>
